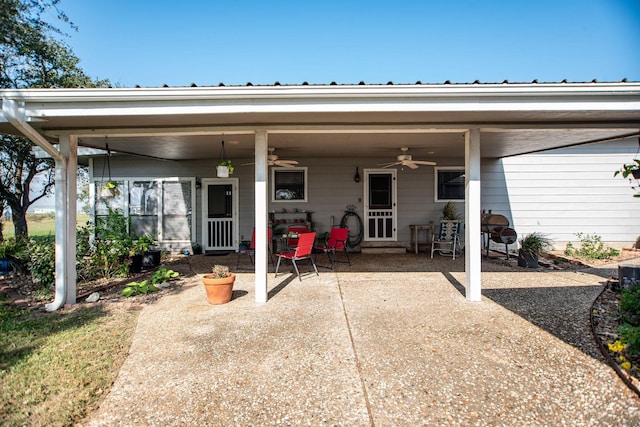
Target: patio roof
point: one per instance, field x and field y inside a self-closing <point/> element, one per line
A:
<point x="333" y="120"/>
<point x="467" y="121"/>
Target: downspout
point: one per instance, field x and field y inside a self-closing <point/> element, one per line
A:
<point x="16" y="117"/>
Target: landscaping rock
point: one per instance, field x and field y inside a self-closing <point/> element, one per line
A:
<point x="94" y="297"/>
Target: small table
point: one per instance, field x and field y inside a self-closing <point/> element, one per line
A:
<point x="415" y="228"/>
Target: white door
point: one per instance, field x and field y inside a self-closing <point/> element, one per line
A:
<point x="380" y="219"/>
<point x="220" y="214"/>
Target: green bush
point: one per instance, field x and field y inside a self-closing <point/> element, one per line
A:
<point x="135" y="288"/>
<point x="16" y="251"/>
<point x="630" y="315"/>
<point x="162" y="275"/>
<point x="591" y="247"/>
<point x="42" y="261"/>
<point x="630" y="335"/>
<point x="108" y="256"/>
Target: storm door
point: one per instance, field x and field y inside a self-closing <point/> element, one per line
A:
<point x="380" y="205"/>
<point x="220" y="214"/>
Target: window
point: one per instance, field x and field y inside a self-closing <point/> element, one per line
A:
<point x="160" y="207"/>
<point x="289" y="184"/>
<point x="449" y="183"/>
<point x="143" y="207"/>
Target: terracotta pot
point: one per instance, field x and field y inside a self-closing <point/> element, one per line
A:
<point x="218" y="290"/>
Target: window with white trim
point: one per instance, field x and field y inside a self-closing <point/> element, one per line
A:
<point x="289" y="184"/>
<point x="160" y="207"/>
<point x="449" y="183"/>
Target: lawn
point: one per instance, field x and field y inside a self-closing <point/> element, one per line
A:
<point x="40" y="224"/>
<point x="56" y="367"/>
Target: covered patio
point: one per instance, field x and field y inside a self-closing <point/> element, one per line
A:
<point x="390" y="340"/>
<point x="463" y="121"/>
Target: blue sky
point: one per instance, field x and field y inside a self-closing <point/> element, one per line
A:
<point x="151" y="43"/>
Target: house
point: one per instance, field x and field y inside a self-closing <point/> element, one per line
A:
<point x="519" y="150"/>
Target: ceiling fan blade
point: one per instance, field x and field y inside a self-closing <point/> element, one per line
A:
<point x="388" y="165"/>
<point x="423" y="162"/>
<point x="411" y="165"/>
<point x="285" y="163"/>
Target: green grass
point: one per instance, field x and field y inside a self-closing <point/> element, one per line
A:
<point x="56" y="367"/>
<point x="40" y="224"/>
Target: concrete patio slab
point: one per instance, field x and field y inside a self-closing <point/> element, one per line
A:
<point x="365" y="348"/>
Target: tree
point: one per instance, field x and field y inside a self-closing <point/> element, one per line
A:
<point x="31" y="55"/>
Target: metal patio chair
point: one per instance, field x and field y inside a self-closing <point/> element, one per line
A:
<point x="337" y="242"/>
<point x="251" y="250"/>
<point x="301" y="252"/>
<point x="292" y="242"/>
<point x="447" y="242"/>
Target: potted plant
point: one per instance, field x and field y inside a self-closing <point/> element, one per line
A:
<point x="110" y="190"/>
<point x="450" y="212"/>
<point x="219" y="284"/>
<point x="147" y="246"/>
<point x="224" y="168"/>
<point x="627" y="169"/>
<point x="197" y="248"/>
<point x="630" y="171"/>
<point x="137" y="252"/>
<point x="531" y="246"/>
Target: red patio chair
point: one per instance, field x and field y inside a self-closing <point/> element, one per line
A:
<point x="302" y="251"/>
<point x="297" y="229"/>
<point x="337" y="242"/>
<point x="251" y="250"/>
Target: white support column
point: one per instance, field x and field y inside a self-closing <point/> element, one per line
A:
<point x="66" y="170"/>
<point x="472" y="235"/>
<point x="70" y="151"/>
<point x="261" y="199"/>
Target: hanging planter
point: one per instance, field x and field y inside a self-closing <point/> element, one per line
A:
<point x="224" y="167"/>
<point x="222" y="171"/>
<point x="109" y="190"/>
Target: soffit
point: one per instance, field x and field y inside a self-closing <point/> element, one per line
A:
<point x="357" y="121"/>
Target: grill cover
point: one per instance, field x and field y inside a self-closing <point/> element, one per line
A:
<point x="489" y="222"/>
<point x="504" y="235"/>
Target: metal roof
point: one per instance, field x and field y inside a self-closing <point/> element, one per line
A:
<point x="358" y="120"/>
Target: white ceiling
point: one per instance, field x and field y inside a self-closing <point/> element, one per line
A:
<point x="432" y="145"/>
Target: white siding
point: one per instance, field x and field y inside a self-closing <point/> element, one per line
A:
<point x="567" y="191"/>
<point x="331" y="188"/>
<point x="559" y="192"/>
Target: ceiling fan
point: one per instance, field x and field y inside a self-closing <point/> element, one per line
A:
<point x="274" y="160"/>
<point x="405" y="159"/>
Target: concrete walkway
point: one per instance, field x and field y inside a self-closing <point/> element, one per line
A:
<point x="368" y="348"/>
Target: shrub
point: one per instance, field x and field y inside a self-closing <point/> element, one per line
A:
<point x="535" y="243"/>
<point x="631" y="336"/>
<point x="591" y="247"/>
<point x="42" y="261"/>
<point x="630" y="315"/>
<point x="16" y="251"/>
<point x="135" y="288"/>
<point x="163" y="275"/>
<point x="108" y="256"/>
